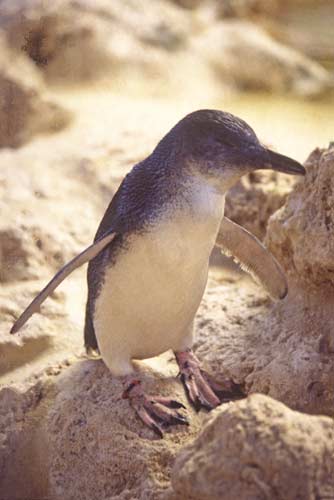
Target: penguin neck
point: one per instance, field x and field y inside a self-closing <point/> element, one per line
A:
<point x="220" y="180"/>
<point x="190" y="186"/>
<point x="184" y="192"/>
<point x="163" y="188"/>
<point x="202" y="198"/>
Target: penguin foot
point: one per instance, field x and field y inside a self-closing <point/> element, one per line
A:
<point x="156" y="412"/>
<point x="202" y="390"/>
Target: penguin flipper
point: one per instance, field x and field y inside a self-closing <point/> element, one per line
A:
<point x="88" y="254"/>
<point x="253" y="257"/>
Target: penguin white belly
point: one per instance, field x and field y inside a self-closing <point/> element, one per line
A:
<point x="152" y="291"/>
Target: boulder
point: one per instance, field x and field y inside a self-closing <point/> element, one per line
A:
<point x="258" y="449"/>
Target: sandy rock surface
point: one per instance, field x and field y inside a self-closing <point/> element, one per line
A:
<point x="258" y="449"/>
<point x="24" y="109"/>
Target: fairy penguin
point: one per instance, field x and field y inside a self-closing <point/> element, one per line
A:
<point x="148" y="265"/>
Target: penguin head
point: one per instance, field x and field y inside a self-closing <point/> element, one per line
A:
<point x="222" y="147"/>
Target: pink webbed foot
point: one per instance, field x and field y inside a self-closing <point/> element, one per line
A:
<point x="156" y="412"/>
<point x="202" y="390"/>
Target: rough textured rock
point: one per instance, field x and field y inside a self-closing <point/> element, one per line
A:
<point x="24" y="111"/>
<point x="301" y="234"/>
<point x="255" y="198"/>
<point x="258" y="449"/>
<point x="284" y="350"/>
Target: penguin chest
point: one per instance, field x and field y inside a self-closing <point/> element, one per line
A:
<point x="152" y="291"/>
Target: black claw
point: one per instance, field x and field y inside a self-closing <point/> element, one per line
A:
<point x="179" y="419"/>
<point x="205" y="404"/>
<point x="170" y="420"/>
<point x="176" y="404"/>
<point x="172" y="403"/>
<point x="157" y="430"/>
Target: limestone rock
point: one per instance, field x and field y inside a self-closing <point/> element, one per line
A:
<point x="258" y="449"/>
<point x="255" y="198"/>
<point x="24" y="111"/>
<point x="301" y="234"/>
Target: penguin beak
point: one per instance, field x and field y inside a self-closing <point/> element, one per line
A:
<point x="281" y="163"/>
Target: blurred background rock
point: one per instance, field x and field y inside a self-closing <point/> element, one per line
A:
<point x="84" y="40"/>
